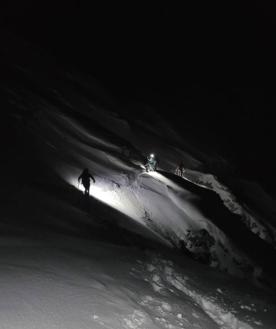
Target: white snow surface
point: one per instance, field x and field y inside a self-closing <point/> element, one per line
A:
<point x="77" y="284"/>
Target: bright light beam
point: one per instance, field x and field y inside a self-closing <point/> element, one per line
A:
<point x="111" y="195"/>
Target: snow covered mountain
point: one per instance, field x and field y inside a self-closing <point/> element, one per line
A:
<point x="146" y="250"/>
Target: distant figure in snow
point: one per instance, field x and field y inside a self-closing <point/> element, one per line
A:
<point x="180" y="170"/>
<point x="85" y="180"/>
<point x="151" y="163"/>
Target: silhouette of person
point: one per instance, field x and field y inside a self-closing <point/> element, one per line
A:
<point x="85" y="180"/>
<point x="180" y="170"/>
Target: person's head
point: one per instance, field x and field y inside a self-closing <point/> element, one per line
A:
<point x="152" y="156"/>
<point x="85" y="170"/>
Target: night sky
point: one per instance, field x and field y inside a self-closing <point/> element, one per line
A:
<point x="210" y="62"/>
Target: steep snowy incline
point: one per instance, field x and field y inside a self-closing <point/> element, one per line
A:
<point x="121" y="258"/>
<point x="74" y="129"/>
<point x="164" y="204"/>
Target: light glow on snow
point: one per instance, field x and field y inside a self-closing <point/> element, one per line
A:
<point x="163" y="179"/>
<point x="110" y="195"/>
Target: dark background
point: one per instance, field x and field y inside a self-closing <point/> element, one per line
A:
<point x="208" y="63"/>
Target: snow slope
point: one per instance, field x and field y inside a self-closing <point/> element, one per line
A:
<point x="121" y="258"/>
<point x="164" y="204"/>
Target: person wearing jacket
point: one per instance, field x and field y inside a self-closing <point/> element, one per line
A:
<point x="85" y="178"/>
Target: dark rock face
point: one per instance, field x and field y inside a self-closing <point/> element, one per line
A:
<point x="199" y="244"/>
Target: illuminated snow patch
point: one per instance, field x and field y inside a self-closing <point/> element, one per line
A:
<point x="163" y="179"/>
<point x="111" y="195"/>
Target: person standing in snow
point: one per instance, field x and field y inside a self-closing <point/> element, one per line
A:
<point x="84" y="178"/>
<point x="180" y="170"/>
<point x="151" y="163"/>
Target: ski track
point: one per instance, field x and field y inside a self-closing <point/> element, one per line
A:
<point x="164" y="280"/>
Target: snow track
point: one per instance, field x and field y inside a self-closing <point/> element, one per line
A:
<point x="69" y="284"/>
